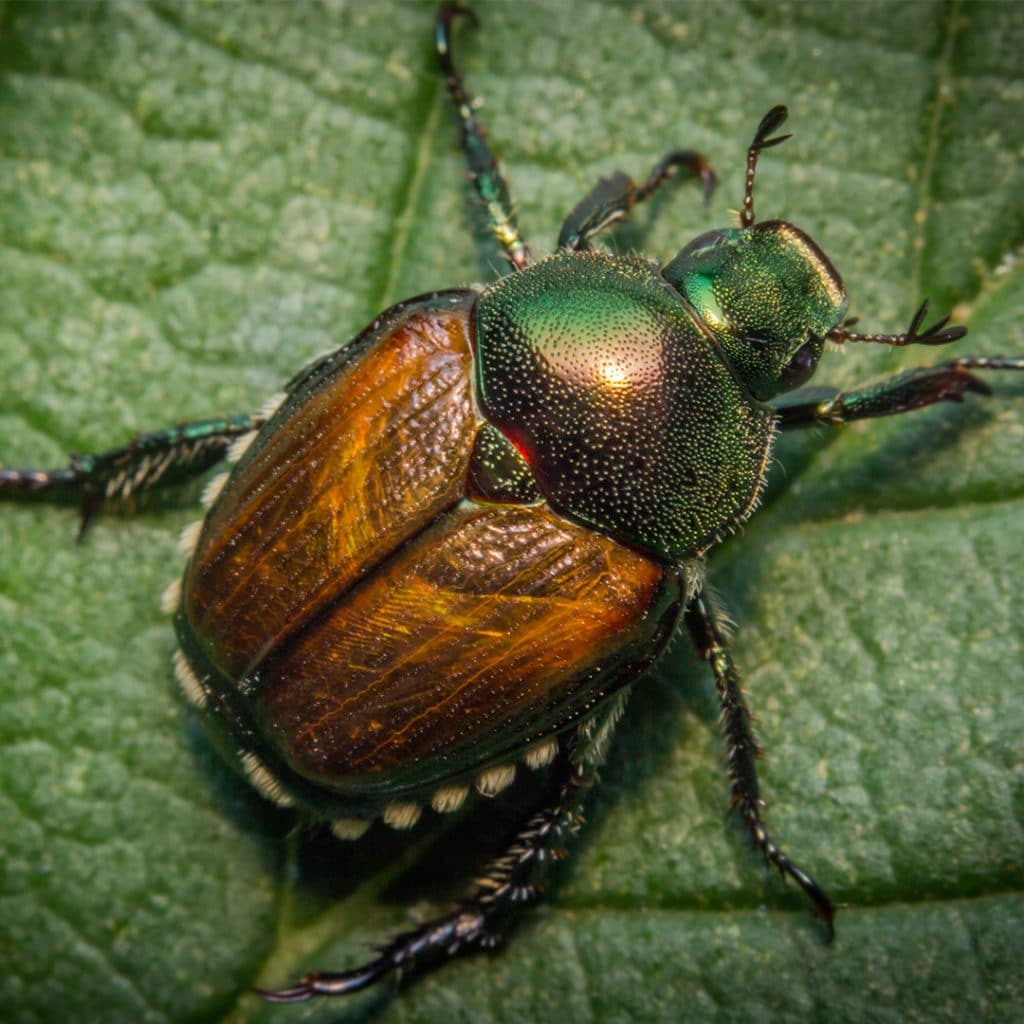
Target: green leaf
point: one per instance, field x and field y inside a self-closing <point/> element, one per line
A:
<point x="197" y="198"/>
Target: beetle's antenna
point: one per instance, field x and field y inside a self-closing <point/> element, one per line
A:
<point x="774" y="119"/>
<point x="936" y="334"/>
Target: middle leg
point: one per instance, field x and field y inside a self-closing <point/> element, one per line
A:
<point x="487" y="178"/>
<point x="710" y="640"/>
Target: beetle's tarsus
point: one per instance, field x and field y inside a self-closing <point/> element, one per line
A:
<point x="823" y="908"/>
<point x="934" y="335"/>
<point x="446" y="14"/>
<point x="918" y="318"/>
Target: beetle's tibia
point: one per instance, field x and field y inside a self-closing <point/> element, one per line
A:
<point x="611" y="199"/>
<point x="914" y="389"/>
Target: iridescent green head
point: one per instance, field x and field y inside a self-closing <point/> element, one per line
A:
<point x="767" y="295"/>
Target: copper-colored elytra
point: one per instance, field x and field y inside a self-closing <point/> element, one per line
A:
<point x="479" y="633"/>
<point x="363" y="462"/>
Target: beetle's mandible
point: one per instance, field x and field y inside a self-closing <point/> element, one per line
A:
<point x="449" y="547"/>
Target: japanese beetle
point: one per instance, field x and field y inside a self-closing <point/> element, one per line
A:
<point x="511" y="485"/>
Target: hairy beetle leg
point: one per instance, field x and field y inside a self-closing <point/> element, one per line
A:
<point x="611" y="199"/>
<point x="444" y="935"/>
<point x="915" y="389"/>
<point x="711" y="643"/>
<point x="481" y="921"/>
<point x="487" y="178"/>
<point x="159" y="459"/>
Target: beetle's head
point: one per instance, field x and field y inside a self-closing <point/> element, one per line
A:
<point x="767" y="294"/>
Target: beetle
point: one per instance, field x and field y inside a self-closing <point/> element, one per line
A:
<point x="479" y="456"/>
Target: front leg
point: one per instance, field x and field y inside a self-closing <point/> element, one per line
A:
<point x="611" y="199"/>
<point x="712" y="645"/>
<point x="915" y="389"/>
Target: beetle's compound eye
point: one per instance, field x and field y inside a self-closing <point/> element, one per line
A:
<point x="801" y="367"/>
<point x="762" y="292"/>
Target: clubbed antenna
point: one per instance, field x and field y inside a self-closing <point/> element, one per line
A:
<point x="774" y="119"/>
<point x="936" y="334"/>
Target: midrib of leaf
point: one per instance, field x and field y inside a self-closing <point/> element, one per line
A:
<point x="410" y="193"/>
